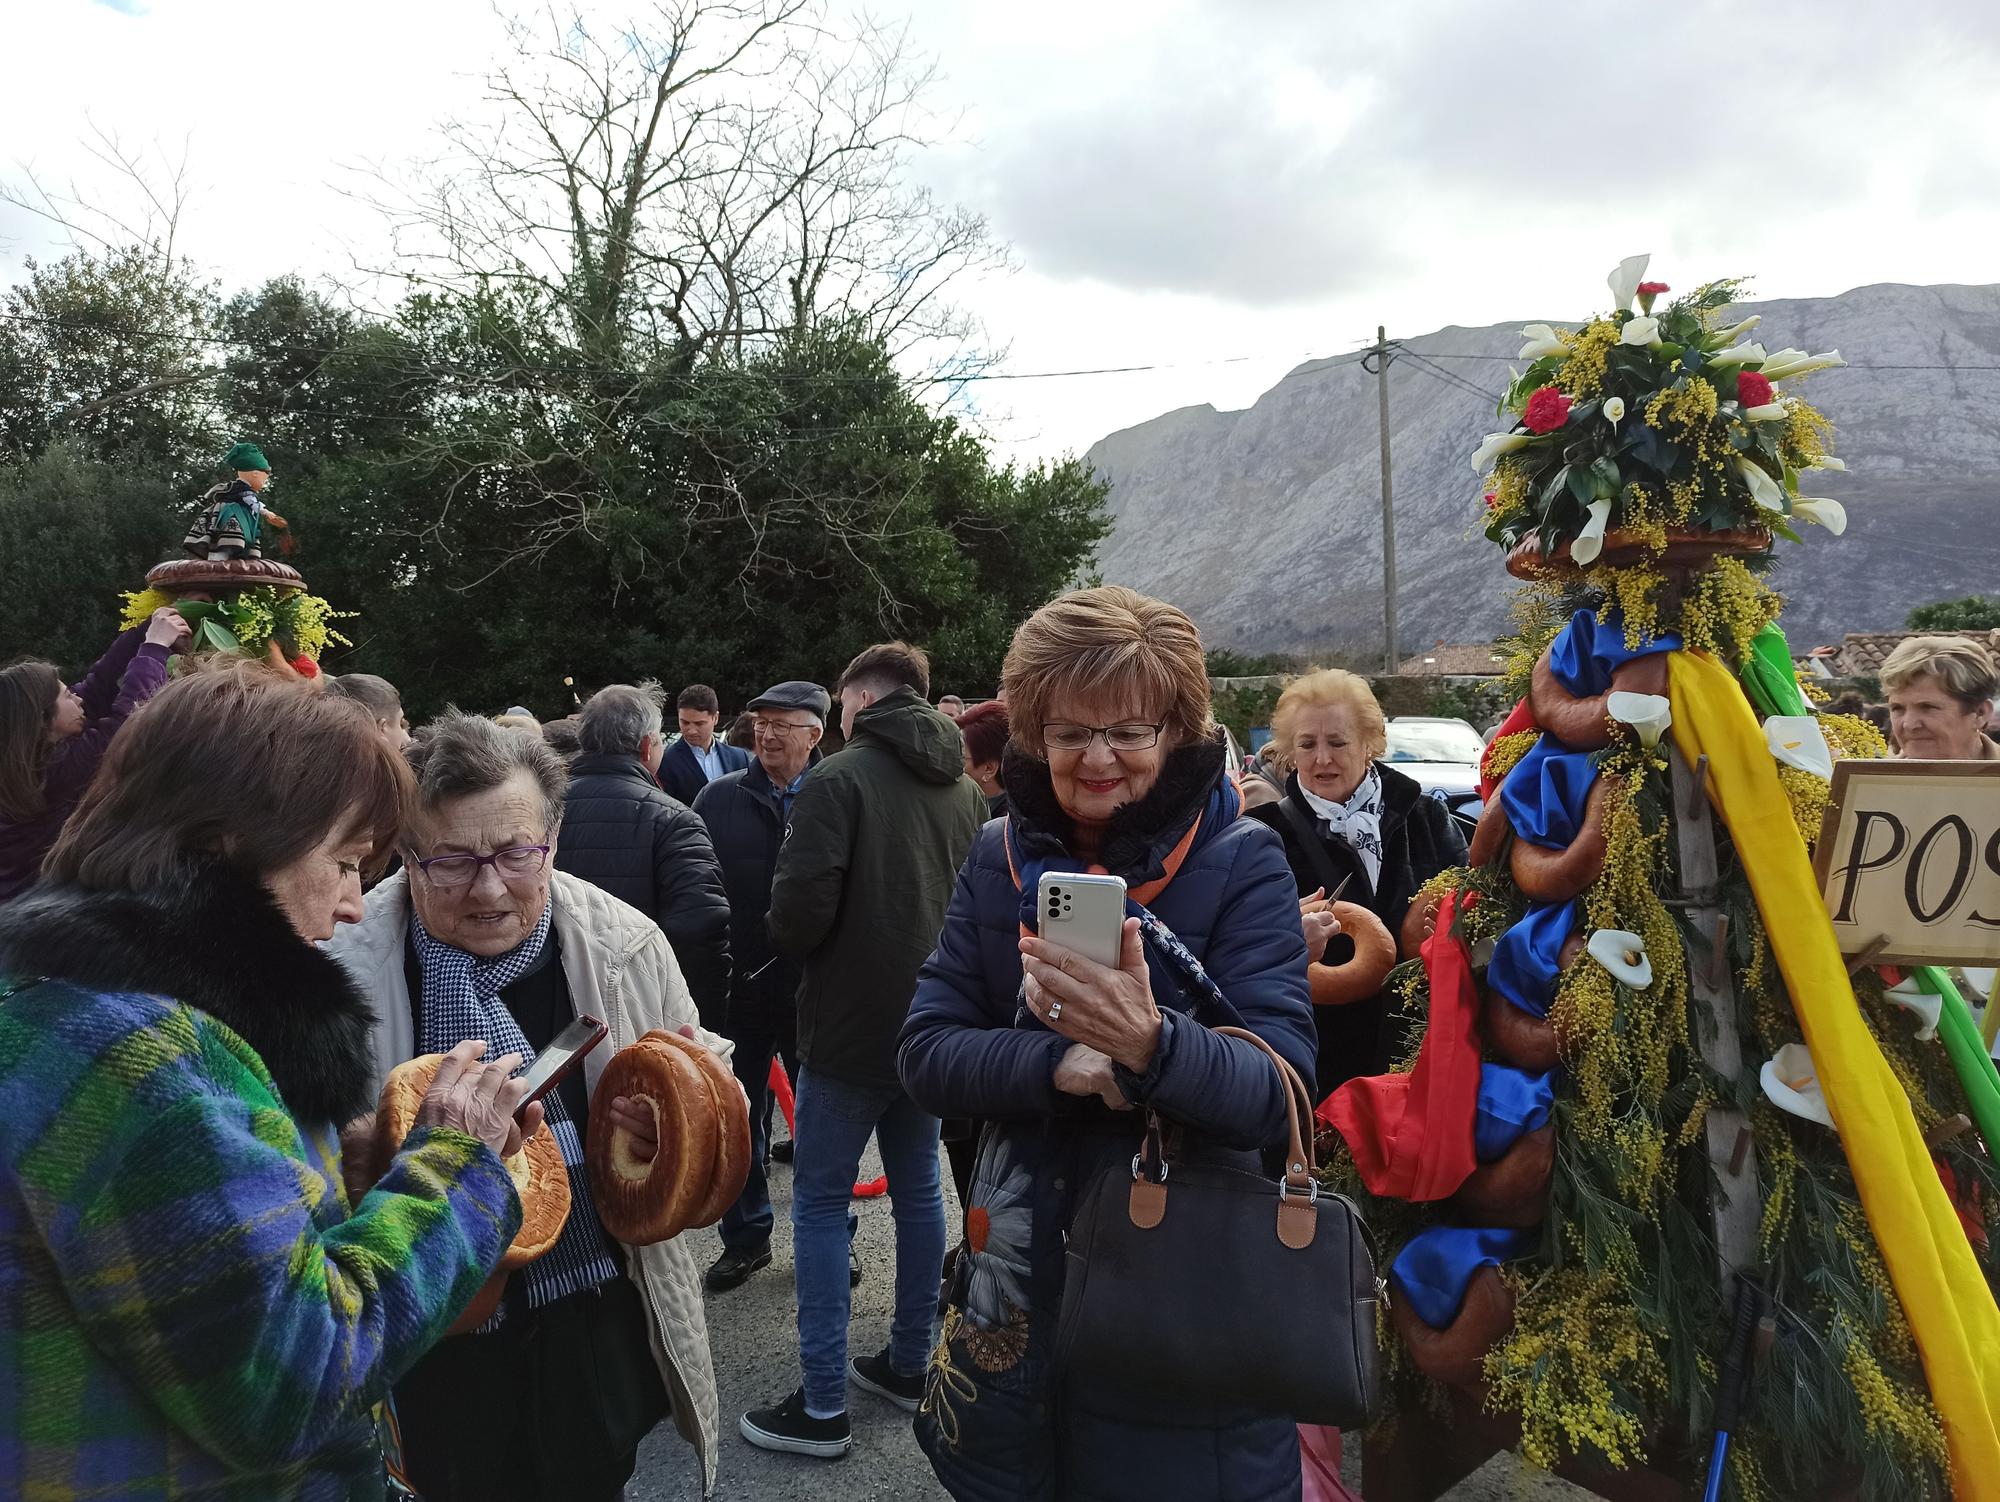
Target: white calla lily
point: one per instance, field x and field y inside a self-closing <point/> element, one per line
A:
<point x="1542" y="340"/>
<point x="1822" y="511"/>
<point x="1644" y="330"/>
<point x="1764" y="490"/>
<point x="1735" y="331"/>
<point x="1614" y="410"/>
<point x="1928" y="1008"/>
<point x="1492" y="446"/>
<point x="1791" y="1080"/>
<point x="1769" y="412"/>
<point x="1649" y="715"/>
<point x="1590" y="541"/>
<point x="1828" y="461"/>
<point x="1624" y="282"/>
<point x="1784" y="356"/>
<point x="1741" y="354"/>
<point x="1624" y="954"/>
<point x="1797" y="741"/>
<point x="1778" y="371"/>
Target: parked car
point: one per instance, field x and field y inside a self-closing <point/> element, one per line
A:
<point x="1443" y="756"/>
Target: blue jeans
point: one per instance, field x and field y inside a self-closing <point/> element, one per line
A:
<point x="834" y="1120"/>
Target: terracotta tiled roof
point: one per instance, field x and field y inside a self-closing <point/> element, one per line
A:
<point x="1862" y="653"/>
<point x="1456" y="660"/>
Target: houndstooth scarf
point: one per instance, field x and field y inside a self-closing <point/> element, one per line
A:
<point x="1358" y="822"/>
<point x="462" y="1000"/>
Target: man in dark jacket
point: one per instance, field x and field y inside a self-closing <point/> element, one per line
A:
<point x="746" y="812"/>
<point x="700" y="756"/>
<point x="871" y="853"/>
<point x="621" y="833"/>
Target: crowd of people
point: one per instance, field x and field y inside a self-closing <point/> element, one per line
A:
<point x="232" y="901"/>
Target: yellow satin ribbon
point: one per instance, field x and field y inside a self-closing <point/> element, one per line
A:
<point x="1950" y="1308"/>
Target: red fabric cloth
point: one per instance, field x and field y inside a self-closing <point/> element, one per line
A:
<point x="1411" y="1134"/>
<point x="781" y="1087"/>
<point x="1523" y="718"/>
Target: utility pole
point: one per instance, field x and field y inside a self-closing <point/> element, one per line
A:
<point x="1379" y="354"/>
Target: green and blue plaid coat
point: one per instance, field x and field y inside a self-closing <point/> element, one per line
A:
<point x="187" y="1307"/>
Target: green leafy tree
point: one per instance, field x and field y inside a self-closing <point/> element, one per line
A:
<point x="1973" y="613"/>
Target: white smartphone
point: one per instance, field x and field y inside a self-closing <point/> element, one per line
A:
<point x="1084" y="913"/>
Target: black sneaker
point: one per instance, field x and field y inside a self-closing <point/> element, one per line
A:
<point x="853" y="1266"/>
<point x="734" y="1268"/>
<point x="790" y="1428"/>
<point x="781" y="1152"/>
<point x="874" y="1374"/>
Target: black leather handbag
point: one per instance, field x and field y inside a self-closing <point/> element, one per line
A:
<point x="1205" y="1285"/>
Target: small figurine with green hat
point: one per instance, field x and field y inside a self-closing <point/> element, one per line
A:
<point x="233" y="514"/>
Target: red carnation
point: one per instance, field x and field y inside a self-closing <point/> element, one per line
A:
<point x="1753" y="388"/>
<point x="1653" y="289"/>
<point x="1547" y="410"/>
<point x="305" y="667"/>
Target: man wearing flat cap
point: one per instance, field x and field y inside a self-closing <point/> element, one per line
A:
<point x="746" y="812"/>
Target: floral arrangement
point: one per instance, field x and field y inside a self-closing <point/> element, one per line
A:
<point x="250" y="621"/>
<point x="1646" y="423"/>
<point x="1639" y="430"/>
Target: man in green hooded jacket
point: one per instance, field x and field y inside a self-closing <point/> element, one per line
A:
<point x="873" y="842"/>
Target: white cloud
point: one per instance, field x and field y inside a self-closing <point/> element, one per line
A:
<point x="1188" y="182"/>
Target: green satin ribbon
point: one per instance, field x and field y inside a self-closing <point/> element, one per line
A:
<point x="1769" y="679"/>
<point x="1974" y="1066"/>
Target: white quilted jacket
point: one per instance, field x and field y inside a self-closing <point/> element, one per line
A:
<point x="619" y="967"/>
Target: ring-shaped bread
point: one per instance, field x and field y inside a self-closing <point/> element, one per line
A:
<point x="1361" y="977"/>
<point x="1585" y="723"/>
<point x="732" y="1129"/>
<point x="642" y="1202"/>
<point x="1546" y="875"/>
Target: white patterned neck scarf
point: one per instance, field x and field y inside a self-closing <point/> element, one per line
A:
<point x="461" y="1000"/>
<point x="1357" y="822"/>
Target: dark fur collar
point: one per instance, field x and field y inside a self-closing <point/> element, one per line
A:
<point x="217" y="941"/>
<point x="1139" y="835"/>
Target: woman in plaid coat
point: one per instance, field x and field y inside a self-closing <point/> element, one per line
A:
<point x="189" y="1307"/>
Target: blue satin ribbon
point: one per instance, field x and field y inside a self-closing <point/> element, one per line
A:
<point x="1527" y="961"/>
<point x="1586" y="653"/>
<point x="1435" y="1265"/>
<point x="1545" y="794"/>
<point x="1512" y="1103"/>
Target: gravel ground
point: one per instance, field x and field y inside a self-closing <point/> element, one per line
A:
<point x="754" y="1338"/>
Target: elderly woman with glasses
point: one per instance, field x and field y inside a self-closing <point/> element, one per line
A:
<point x="479" y="937"/>
<point x="1114" y="766"/>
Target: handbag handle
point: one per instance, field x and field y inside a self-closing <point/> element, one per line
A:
<point x="1300" y="1162"/>
<point x="1298" y="1192"/>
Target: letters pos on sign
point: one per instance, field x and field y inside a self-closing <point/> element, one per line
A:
<point x="1909" y="861"/>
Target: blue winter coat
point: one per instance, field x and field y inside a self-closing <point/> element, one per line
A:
<point x="993" y="1422"/>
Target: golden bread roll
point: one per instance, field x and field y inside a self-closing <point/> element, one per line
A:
<point x="537" y="1169"/>
<point x="644" y="1202"/>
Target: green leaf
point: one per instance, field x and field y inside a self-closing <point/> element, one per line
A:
<point x="219" y="637"/>
<point x="1605" y="477"/>
<point x="1580" y="485"/>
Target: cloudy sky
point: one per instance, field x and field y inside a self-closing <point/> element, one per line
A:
<point x="1221" y="189"/>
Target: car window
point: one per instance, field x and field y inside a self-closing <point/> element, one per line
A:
<point x="1435" y="740"/>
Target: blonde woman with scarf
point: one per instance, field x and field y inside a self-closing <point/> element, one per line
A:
<point x="1375" y="829"/>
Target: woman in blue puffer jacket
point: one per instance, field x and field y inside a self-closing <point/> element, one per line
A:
<point x="1114" y="767"/>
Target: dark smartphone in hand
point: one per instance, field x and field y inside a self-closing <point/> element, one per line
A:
<point x="553" y="1064"/>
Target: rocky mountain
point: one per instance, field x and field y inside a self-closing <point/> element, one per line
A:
<point x="1266" y="524"/>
